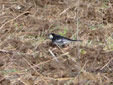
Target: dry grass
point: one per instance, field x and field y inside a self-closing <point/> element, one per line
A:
<point x="27" y="58"/>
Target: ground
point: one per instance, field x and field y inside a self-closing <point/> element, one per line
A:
<point x="27" y="56"/>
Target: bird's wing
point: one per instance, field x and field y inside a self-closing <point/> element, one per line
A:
<point x="65" y="41"/>
<point x="59" y="41"/>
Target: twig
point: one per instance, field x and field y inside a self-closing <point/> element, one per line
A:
<point x="53" y="55"/>
<point x="11" y="2"/>
<point x="42" y="63"/>
<point x="34" y="69"/>
<point x="83" y="67"/>
<point x="64" y="11"/>
<point x="77" y="23"/>
<point x="106" y="64"/>
<point x="13" y="19"/>
<point x="34" y="3"/>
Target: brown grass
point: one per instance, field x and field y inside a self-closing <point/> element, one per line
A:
<point x="26" y="56"/>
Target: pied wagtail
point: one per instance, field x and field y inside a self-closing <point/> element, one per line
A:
<point x="60" y="40"/>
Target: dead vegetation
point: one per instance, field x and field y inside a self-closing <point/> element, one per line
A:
<point x="26" y="56"/>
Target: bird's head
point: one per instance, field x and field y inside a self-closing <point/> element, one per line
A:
<point x="51" y="36"/>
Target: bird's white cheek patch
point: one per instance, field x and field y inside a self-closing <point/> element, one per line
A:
<point x="51" y="36"/>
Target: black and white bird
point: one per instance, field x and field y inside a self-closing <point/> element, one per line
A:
<point x="60" y="40"/>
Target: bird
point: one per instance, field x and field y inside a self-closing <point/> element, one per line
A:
<point x="60" y="40"/>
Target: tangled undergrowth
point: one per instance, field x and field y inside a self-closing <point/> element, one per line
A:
<point x="26" y="56"/>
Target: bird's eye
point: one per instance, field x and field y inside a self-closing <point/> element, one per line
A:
<point x="50" y="36"/>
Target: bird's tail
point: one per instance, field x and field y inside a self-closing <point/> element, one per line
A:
<point x="77" y="40"/>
